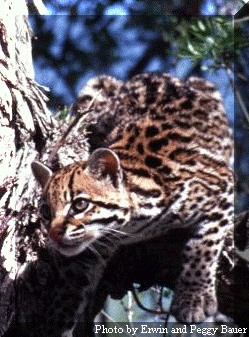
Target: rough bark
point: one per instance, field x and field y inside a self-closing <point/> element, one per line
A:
<point x="28" y="275"/>
<point x="11" y="88"/>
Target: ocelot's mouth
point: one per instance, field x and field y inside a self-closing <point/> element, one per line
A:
<point x="66" y="243"/>
<point x="73" y="240"/>
<point x="73" y="248"/>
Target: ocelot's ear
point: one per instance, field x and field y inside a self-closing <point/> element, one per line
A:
<point x="103" y="164"/>
<point x="41" y="172"/>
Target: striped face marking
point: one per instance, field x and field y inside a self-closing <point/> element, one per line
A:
<point x="83" y="201"/>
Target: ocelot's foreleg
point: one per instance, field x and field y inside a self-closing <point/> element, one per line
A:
<point x="195" y="295"/>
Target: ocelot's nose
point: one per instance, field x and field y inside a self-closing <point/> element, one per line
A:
<point x="56" y="233"/>
<point x="58" y="221"/>
<point x="75" y="222"/>
<point x="78" y="227"/>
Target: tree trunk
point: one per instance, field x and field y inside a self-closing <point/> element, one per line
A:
<point x="24" y="122"/>
<point x="12" y="107"/>
<point x="31" y="277"/>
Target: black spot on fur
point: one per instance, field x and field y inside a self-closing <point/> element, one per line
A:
<point x="140" y="148"/>
<point x="151" y="90"/>
<point x="131" y="139"/>
<point x="188" y="104"/>
<point x="225" y="205"/>
<point x="200" y="113"/>
<point x="215" y="216"/>
<point x="191" y="162"/>
<point x="213" y="230"/>
<point x="156" y="145"/>
<point x="128" y="146"/>
<point x="138" y="172"/>
<point x="215" y="252"/>
<point x="172" y="93"/>
<point x="176" y="136"/>
<point x="183" y="125"/>
<point x="151" y="131"/>
<point x="165" y="170"/>
<point x="157" y="179"/>
<point x="170" y="110"/>
<point x="210" y="243"/>
<point x="167" y="126"/>
<point x="136" y="131"/>
<point x="153" y="192"/>
<point x="152" y="161"/>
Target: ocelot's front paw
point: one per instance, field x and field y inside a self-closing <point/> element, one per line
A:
<point x="193" y="306"/>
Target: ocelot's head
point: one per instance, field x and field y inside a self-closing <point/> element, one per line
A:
<point x="82" y="201"/>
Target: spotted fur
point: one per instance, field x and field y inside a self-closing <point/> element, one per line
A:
<point x="159" y="159"/>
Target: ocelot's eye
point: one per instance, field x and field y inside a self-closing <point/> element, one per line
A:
<point x="45" y="212"/>
<point x="79" y="205"/>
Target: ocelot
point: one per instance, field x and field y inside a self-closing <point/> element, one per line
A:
<point x="159" y="159"/>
